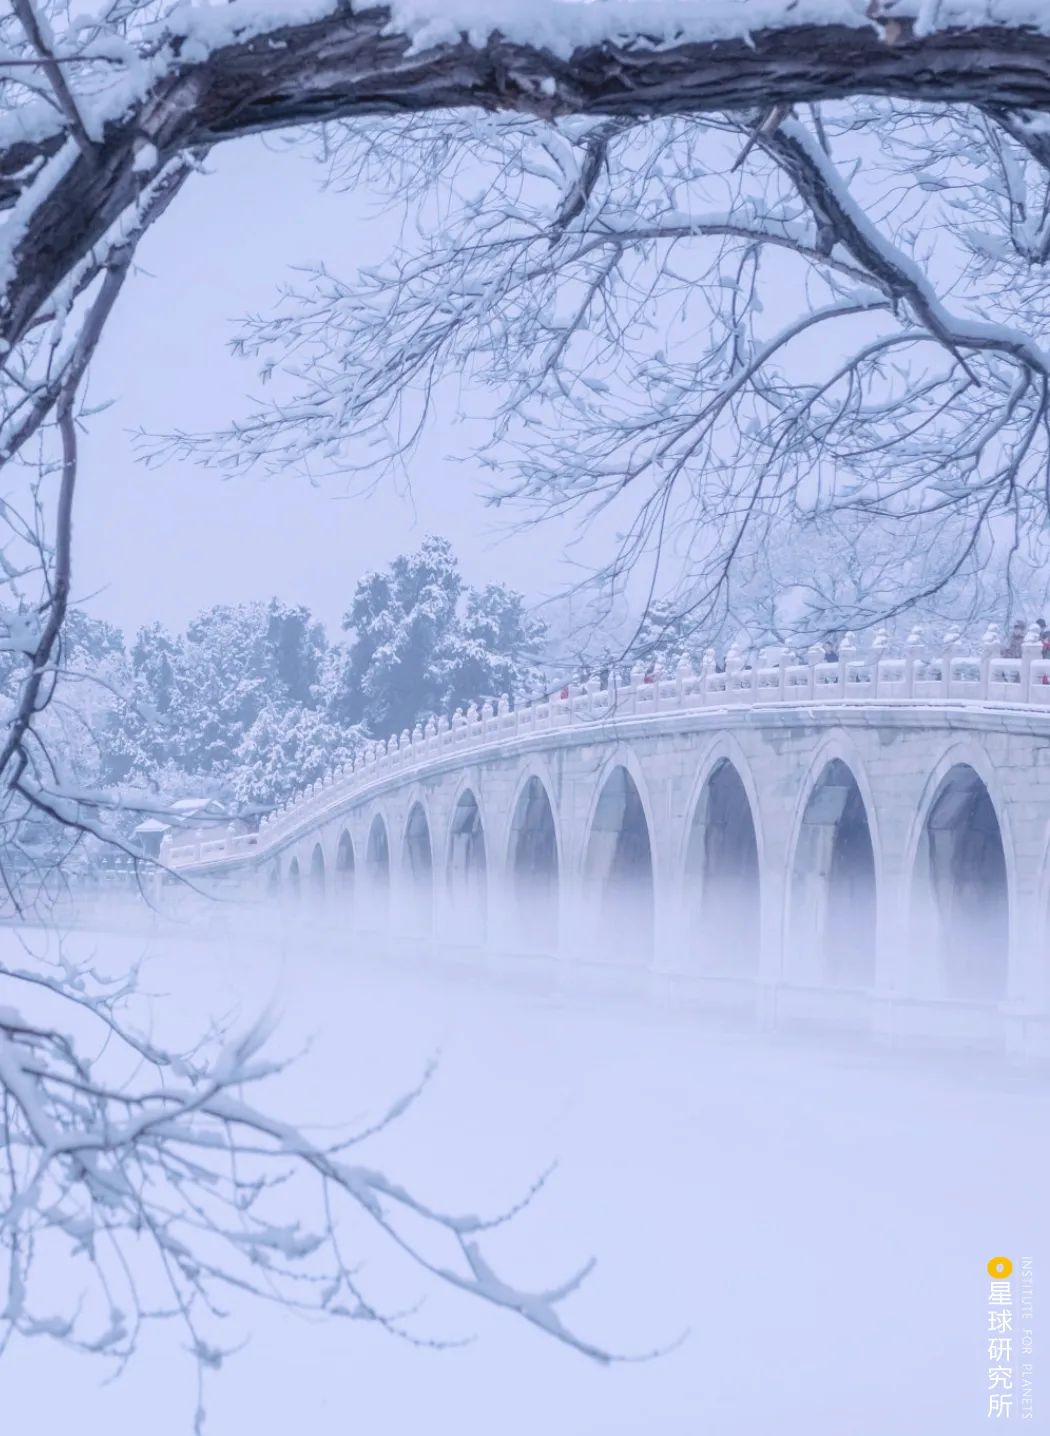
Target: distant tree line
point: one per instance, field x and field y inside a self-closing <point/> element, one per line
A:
<point x="254" y="700"/>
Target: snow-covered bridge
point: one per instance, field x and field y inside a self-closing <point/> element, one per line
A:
<point x="866" y="841"/>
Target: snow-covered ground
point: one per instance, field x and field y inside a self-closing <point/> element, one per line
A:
<point x="817" y="1218"/>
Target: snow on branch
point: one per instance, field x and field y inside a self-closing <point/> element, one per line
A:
<point x="150" y="1170"/>
<point x="822" y="333"/>
<point x="137" y="92"/>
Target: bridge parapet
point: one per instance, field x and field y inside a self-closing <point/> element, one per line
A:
<point x="916" y="677"/>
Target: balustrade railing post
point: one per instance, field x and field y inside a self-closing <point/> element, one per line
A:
<point x="594" y="688"/>
<point x="683" y="675"/>
<point x="949" y="650"/>
<point x="847" y="653"/>
<point x="707" y="668"/>
<point x="734" y="663"/>
<point x="1031" y="649"/>
<point x="914" y="656"/>
<point x="656" y="677"/>
<point x="989" y="652"/>
<point x="878" y="652"/>
<point x="814" y="655"/>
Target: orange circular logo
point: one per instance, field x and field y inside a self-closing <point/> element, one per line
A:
<point x="1000" y="1268"/>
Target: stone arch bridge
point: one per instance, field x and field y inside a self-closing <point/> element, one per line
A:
<point x="863" y="842"/>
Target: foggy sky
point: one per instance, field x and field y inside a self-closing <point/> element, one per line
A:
<point x="166" y="542"/>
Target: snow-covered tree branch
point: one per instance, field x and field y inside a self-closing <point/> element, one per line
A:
<point x="106" y="116"/>
<point x="735" y="273"/>
<point x="143" y="84"/>
<point x="150" y="1174"/>
<point x="720" y="339"/>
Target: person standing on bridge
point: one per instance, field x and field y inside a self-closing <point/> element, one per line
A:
<point x="1012" y="648"/>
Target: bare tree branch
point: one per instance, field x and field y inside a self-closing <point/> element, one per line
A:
<point x="354" y="63"/>
<point x="31" y="23"/>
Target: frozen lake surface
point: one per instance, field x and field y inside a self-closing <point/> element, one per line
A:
<point x="817" y="1217"/>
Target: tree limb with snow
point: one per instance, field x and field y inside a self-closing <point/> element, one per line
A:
<point x="150" y="1173"/>
<point x="706" y="156"/>
<point x="132" y="95"/>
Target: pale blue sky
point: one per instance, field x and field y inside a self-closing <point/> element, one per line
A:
<point x="164" y="542"/>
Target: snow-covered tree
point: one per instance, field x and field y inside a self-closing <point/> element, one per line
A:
<point x="421" y="644"/>
<point x="298" y="645"/>
<point x="630" y="295"/>
<point x="92" y="158"/>
<point x="285" y="750"/>
<point x="136" y="743"/>
<point x="495" y="649"/>
<point x="195" y="697"/>
<point x="665" y="189"/>
<point x="400" y="624"/>
<point x="251" y="702"/>
<point x="733" y="266"/>
<point x="665" y="636"/>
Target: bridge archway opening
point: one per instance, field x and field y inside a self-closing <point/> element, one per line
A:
<point x="962" y="885"/>
<point x="377" y="873"/>
<point x="345" y="870"/>
<point x="533" y="864"/>
<point x="619" y="871"/>
<point x="293" y="879"/>
<point x="317" y="873"/>
<point x="833" y="911"/>
<point x="419" y="870"/>
<point x="467" y="870"/>
<point x="722" y="885"/>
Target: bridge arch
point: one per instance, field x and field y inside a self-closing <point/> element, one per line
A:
<point x="467" y="867"/>
<point x="722" y="866"/>
<point x="417" y="864"/>
<point x="961" y="863"/>
<point x="317" y="871"/>
<point x="293" y="882"/>
<point x="833" y="873"/>
<point x="377" y="872"/>
<point x="343" y="894"/>
<point x="618" y="868"/>
<point x="534" y="860"/>
<point x="345" y="862"/>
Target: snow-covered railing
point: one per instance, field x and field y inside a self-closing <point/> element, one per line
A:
<point x="227" y="846"/>
<point x="914" y="676"/>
